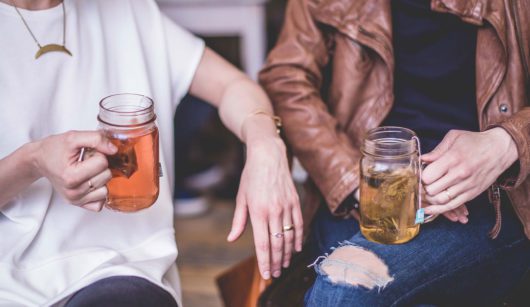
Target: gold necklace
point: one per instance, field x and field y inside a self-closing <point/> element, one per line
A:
<point x="50" y="47"/>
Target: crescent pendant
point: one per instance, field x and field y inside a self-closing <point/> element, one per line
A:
<point x="52" y="48"/>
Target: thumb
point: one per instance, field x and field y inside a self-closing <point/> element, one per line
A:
<point x="239" y="222"/>
<point x="93" y="139"/>
<point x="441" y="149"/>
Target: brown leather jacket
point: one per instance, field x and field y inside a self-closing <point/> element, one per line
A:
<point x="330" y="78"/>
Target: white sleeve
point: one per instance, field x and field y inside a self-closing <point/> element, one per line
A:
<point x="185" y="52"/>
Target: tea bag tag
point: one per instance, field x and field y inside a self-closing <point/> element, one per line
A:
<point x="420" y="216"/>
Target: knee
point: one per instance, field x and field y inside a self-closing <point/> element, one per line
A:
<point x="357" y="267"/>
<point x="350" y="276"/>
<point x="122" y="291"/>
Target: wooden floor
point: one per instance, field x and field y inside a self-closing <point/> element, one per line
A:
<point x="204" y="253"/>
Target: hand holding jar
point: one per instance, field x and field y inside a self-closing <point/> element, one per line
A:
<point x="82" y="183"/>
<point x="464" y="165"/>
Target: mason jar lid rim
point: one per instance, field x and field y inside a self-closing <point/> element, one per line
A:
<point x="128" y="125"/>
<point x="149" y="108"/>
<point x="380" y="148"/>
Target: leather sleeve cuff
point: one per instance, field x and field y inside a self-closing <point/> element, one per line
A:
<point x="347" y="206"/>
<point x="338" y="199"/>
<point x="518" y="172"/>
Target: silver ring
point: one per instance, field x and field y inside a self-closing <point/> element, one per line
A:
<point x="278" y="235"/>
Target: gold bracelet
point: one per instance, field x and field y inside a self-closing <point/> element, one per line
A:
<point x="276" y="119"/>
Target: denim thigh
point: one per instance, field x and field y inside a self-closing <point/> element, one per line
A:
<point x="446" y="264"/>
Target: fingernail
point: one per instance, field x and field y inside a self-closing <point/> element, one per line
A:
<point x="285" y="265"/>
<point x="112" y="147"/>
<point x="276" y="274"/>
<point x="298" y="248"/>
<point x="465" y="220"/>
<point x="92" y="207"/>
<point x="266" y="275"/>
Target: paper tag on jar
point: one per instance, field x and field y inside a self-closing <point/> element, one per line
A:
<point x="420" y="216"/>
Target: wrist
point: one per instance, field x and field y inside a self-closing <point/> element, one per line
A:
<point x="504" y="141"/>
<point x="259" y="123"/>
<point x="29" y="160"/>
<point x="265" y="143"/>
<point x="257" y="128"/>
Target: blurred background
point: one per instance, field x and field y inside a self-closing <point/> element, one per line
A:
<point x="208" y="158"/>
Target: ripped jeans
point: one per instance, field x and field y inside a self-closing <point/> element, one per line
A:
<point x="446" y="264"/>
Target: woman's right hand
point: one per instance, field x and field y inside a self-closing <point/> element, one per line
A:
<point x="82" y="183"/>
<point x="459" y="214"/>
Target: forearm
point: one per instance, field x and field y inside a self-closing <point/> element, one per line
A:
<point x="237" y="109"/>
<point x="17" y="172"/>
<point x="236" y="96"/>
<point x="242" y="99"/>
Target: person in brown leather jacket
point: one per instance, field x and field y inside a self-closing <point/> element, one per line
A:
<point x="456" y="72"/>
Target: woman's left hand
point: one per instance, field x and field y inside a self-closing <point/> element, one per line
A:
<point x="268" y="194"/>
<point x="464" y="165"/>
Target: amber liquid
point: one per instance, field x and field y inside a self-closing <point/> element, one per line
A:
<point x="388" y="206"/>
<point x="134" y="185"/>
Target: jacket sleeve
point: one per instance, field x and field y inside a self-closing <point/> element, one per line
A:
<point x="292" y="78"/>
<point x="518" y="125"/>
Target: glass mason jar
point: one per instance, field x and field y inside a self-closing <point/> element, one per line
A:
<point x="128" y="120"/>
<point x="390" y="174"/>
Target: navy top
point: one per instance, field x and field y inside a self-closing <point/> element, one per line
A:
<point x="434" y="72"/>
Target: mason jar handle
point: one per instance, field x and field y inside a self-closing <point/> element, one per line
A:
<point x="430" y="218"/>
<point x="420" y="216"/>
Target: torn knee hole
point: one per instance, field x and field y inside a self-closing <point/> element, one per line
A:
<point x="357" y="267"/>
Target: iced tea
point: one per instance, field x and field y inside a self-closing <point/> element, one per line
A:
<point x="135" y="171"/>
<point x="388" y="205"/>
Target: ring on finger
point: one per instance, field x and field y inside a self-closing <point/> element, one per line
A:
<point x="449" y="195"/>
<point x="90" y="186"/>
<point x="278" y="235"/>
<point x="288" y="227"/>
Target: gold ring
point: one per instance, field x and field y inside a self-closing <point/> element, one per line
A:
<point x="449" y="195"/>
<point x="288" y="227"/>
<point x="278" y="235"/>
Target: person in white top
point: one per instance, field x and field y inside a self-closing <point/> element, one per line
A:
<point x="57" y="60"/>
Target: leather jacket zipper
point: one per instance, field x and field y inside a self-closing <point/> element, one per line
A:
<point x="495" y="199"/>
